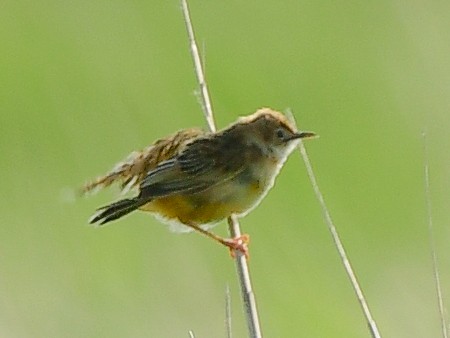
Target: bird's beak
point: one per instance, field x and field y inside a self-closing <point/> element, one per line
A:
<point x="304" y="135"/>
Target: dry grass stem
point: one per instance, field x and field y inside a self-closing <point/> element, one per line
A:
<point x="437" y="280"/>
<point x="204" y="94"/>
<point x="339" y="246"/>
<point x="228" y="312"/>
<point x="234" y="228"/>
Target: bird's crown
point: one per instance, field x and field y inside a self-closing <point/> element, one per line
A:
<point x="269" y="114"/>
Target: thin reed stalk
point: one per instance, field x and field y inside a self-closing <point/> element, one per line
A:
<point x="338" y="244"/>
<point x="243" y="272"/>
<point x="437" y="279"/>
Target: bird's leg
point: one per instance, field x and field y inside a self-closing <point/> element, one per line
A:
<point x="239" y="243"/>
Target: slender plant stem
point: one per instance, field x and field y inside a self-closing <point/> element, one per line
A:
<point x="437" y="279"/>
<point x="206" y="102"/>
<point x="228" y="312"/>
<point x="248" y="296"/>
<point x="233" y="224"/>
<point x="338" y="243"/>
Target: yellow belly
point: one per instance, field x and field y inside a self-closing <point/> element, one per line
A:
<point x="209" y="206"/>
<point x="236" y="196"/>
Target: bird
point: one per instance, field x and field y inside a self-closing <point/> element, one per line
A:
<point x="194" y="179"/>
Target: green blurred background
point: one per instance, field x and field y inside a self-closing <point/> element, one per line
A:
<point x="83" y="83"/>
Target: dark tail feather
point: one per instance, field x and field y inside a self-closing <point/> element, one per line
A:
<point x="116" y="210"/>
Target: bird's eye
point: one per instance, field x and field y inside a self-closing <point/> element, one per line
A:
<point x="280" y="133"/>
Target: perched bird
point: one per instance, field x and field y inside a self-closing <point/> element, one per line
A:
<point x="194" y="179"/>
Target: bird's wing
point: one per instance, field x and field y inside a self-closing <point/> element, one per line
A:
<point x="135" y="167"/>
<point x="204" y="163"/>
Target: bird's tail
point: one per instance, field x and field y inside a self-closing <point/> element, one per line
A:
<point x="116" y="210"/>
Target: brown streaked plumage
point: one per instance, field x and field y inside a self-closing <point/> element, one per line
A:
<point x="133" y="169"/>
<point x="195" y="178"/>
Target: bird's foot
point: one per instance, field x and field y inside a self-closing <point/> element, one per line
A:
<point x="237" y="244"/>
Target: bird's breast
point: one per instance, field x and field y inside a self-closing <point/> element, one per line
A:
<point x="235" y="196"/>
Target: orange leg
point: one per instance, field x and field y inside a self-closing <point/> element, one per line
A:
<point x="234" y="244"/>
<point x="237" y="244"/>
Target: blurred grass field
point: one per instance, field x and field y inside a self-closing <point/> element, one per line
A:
<point x="84" y="83"/>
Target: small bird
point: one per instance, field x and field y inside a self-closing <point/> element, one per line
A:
<point x="193" y="179"/>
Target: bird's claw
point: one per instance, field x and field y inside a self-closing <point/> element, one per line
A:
<point x="238" y="244"/>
